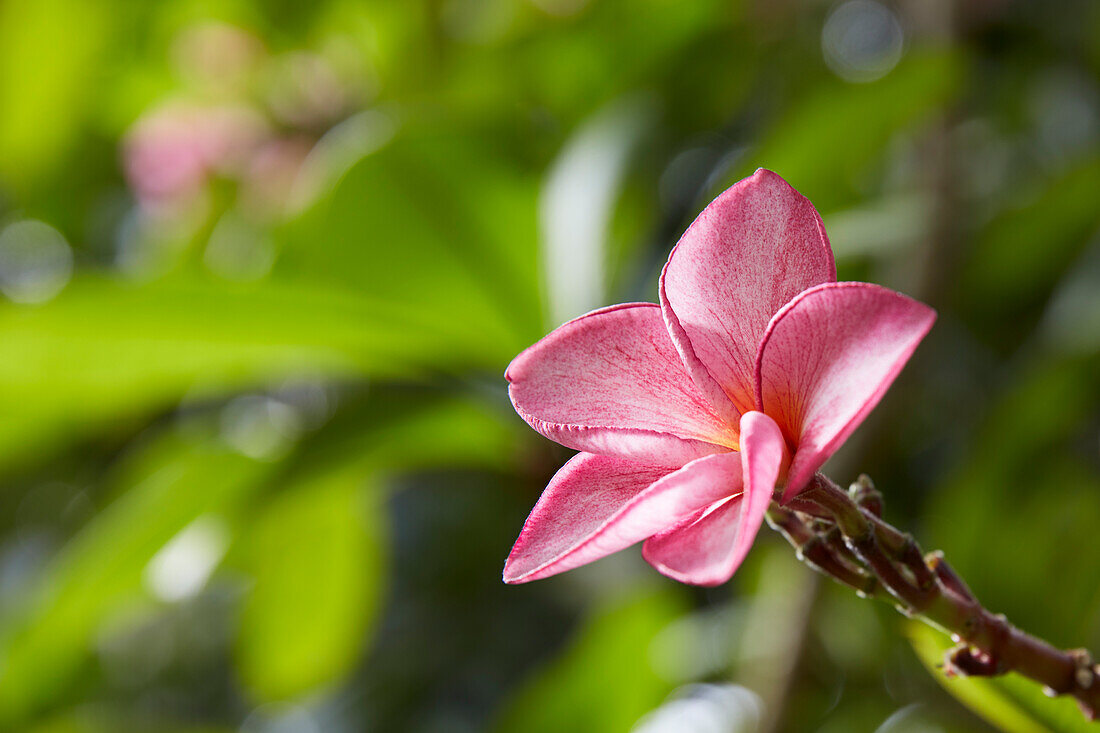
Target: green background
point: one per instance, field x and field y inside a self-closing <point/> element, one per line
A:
<point x="263" y="264"/>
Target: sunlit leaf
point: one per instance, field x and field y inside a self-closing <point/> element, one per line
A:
<point x="577" y="204"/>
<point x="316" y="556"/>
<point x="437" y="225"/>
<point x="72" y="373"/>
<point x="47" y="49"/>
<point x="1010" y="702"/>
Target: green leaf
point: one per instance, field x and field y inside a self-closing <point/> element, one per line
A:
<point x="604" y="680"/>
<point x="435" y="224"/>
<point x="75" y="374"/>
<point x="447" y="432"/>
<point x="47" y="54"/>
<point x="1010" y="702"/>
<point x="316" y="555"/>
<point x="422" y="259"/>
<point x="317" y="551"/>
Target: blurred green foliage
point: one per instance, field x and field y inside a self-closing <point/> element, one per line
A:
<point x="604" y="680"/>
<point x="317" y="556"/>
<point x="263" y="263"/>
<point x="1010" y="702"/>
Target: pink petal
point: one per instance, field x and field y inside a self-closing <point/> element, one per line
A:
<point x="827" y="359"/>
<point x="611" y="382"/>
<point x="597" y="505"/>
<point x="752" y="249"/>
<point x="764" y="457"/>
<point x="712" y="544"/>
<point x="699" y="551"/>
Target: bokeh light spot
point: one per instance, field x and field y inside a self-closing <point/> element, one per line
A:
<point x="862" y="41"/>
<point x="181" y="568"/>
<point x="35" y="261"/>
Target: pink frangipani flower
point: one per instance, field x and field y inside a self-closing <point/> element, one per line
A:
<point x="752" y="371"/>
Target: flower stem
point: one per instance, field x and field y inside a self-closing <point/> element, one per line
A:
<point x="815" y="551"/>
<point x="876" y="555"/>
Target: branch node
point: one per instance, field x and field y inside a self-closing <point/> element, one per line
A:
<point x="841" y="534"/>
<point x="947" y="576"/>
<point x="868" y="591"/>
<point x="863" y="491"/>
<point x="1084" y="674"/>
<point x="966" y="661"/>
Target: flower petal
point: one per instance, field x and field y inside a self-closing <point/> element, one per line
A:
<point x="827" y="359"/>
<point x="712" y="544"/>
<point x="764" y="457"/>
<point x="610" y="382"/>
<point x="698" y="551"/>
<point x="597" y="505"/>
<point x="752" y="249"/>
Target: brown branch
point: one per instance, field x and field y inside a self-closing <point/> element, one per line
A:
<point x="927" y="588"/>
<point x="860" y="535"/>
<point x="815" y="552"/>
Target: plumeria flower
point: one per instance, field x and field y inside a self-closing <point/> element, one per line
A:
<point x="689" y="415"/>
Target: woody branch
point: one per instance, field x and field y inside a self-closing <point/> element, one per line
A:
<point x="841" y="534"/>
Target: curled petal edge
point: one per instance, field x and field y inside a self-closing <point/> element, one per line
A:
<point x="836" y="348"/>
<point x="665" y="502"/>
